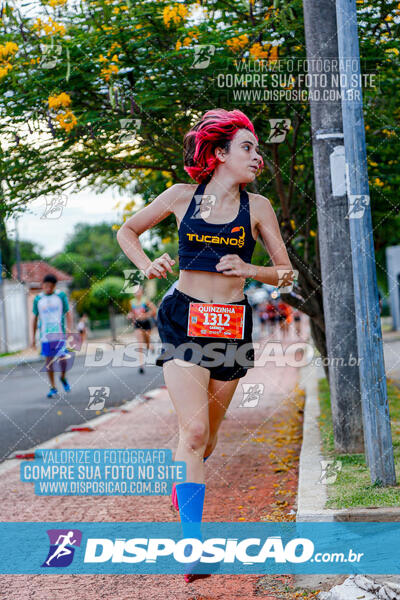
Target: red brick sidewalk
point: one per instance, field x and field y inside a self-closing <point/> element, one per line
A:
<point x="251" y="476"/>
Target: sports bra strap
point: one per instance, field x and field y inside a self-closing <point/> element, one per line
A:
<point x="199" y="191"/>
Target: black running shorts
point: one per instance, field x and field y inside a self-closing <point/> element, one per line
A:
<point x="144" y="324"/>
<point x="226" y="359"/>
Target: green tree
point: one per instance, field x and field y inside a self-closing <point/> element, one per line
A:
<point x="28" y="251"/>
<point x="90" y="254"/>
<point x="107" y="294"/>
<point x="137" y="61"/>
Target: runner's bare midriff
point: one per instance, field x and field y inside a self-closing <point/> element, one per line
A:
<point x="211" y="287"/>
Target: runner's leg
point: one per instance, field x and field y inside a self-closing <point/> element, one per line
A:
<point x="220" y="394"/>
<point x="63" y="365"/>
<point x="147" y="339"/>
<point x="50" y="370"/>
<point x="140" y="338"/>
<point x="146" y="333"/>
<point x="187" y="387"/>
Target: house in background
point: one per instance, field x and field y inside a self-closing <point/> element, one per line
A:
<point x="16" y="301"/>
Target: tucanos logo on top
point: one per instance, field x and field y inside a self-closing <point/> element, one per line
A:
<point x="62" y="542"/>
<point x="219" y="239"/>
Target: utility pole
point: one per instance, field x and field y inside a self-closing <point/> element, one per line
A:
<point x="333" y="228"/>
<point x="376" y="419"/>
<point x="3" y="327"/>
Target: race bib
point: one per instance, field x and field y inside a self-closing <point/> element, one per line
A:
<point x="216" y="320"/>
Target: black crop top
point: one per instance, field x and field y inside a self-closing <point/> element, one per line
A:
<point x="202" y="244"/>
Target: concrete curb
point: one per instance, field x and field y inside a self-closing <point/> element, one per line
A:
<point x="8" y="362"/>
<point x="313" y="495"/>
<point x="311" y="499"/>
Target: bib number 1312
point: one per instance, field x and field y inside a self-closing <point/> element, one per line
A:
<point x="219" y="319"/>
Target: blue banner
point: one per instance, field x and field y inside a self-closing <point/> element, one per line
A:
<point x="225" y="548"/>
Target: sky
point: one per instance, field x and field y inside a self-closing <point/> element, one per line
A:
<point x="51" y="233"/>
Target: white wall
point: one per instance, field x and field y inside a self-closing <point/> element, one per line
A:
<point x="14" y="307"/>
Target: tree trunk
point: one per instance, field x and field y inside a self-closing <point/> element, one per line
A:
<point x="5" y="247"/>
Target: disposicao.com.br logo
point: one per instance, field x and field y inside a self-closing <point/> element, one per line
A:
<point x="212" y="550"/>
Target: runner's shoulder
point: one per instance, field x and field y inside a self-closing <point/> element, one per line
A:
<point x="260" y="205"/>
<point x="259" y="200"/>
<point x="38" y="297"/>
<point x="35" y="303"/>
<point x="175" y="195"/>
<point x="184" y="191"/>
<point x="180" y="195"/>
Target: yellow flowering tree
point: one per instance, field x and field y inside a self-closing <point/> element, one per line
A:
<point x="100" y="93"/>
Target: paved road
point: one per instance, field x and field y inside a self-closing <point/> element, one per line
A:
<point x="28" y="418"/>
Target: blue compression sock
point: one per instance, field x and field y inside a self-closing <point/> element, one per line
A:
<point x="205" y="457"/>
<point x="191" y="500"/>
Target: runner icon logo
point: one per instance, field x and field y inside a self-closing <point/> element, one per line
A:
<point x="329" y="471"/>
<point x="133" y="280"/>
<point x="251" y="394"/>
<point x="62" y="542"/>
<point x="98" y="397"/>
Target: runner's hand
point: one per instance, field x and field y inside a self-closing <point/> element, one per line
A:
<point x="232" y="264"/>
<point x="159" y="266"/>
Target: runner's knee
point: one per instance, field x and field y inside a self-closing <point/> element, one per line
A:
<point x="195" y="434"/>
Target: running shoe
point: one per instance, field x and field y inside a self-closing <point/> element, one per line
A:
<point x="66" y="385"/>
<point x="193" y="568"/>
<point x="52" y="392"/>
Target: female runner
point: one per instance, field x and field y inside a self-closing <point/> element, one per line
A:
<point x="218" y="224"/>
<point x="141" y="313"/>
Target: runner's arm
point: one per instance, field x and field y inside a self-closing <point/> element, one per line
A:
<point x="66" y="312"/>
<point x="69" y="322"/>
<point x="268" y="228"/>
<point x="146" y="218"/>
<point x="35" y="321"/>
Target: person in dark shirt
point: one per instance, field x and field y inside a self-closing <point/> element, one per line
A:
<point x="141" y="314"/>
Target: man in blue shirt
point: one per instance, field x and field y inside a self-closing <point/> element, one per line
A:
<point x="50" y="308"/>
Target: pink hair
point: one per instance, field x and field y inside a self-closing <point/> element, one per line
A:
<point x="215" y="128"/>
